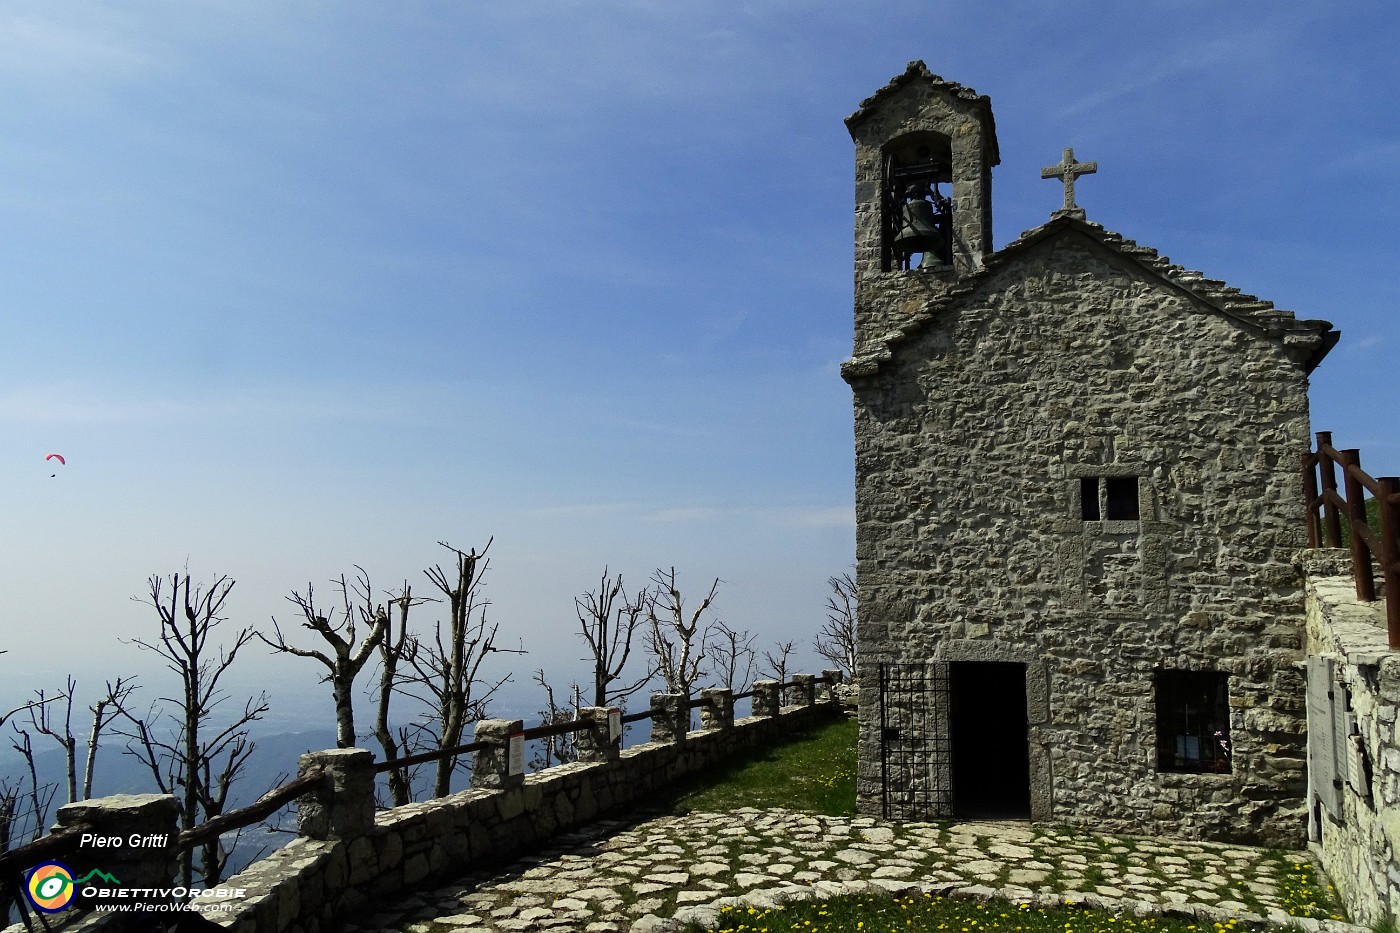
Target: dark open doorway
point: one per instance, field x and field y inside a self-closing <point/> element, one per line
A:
<point x="991" y="750"/>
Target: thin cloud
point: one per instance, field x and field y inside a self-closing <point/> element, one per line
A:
<point x="818" y="517"/>
<point x="1190" y="59"/>
<point x="100" y="405"/>
<point x="682" y="515"/>
<point x="42" y="47"/>
<point x="1373" y="158"/>
<point x="583" y="510"/>
<point x="784" y="516"/>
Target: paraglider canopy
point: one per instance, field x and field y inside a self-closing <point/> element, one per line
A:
<point x="58" y="457"/>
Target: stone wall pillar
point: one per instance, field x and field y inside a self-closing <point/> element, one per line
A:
<point x="342" y="807"/>
<point x="132" y="839"/>
<point x="670" y="717"/>
<point x="804" y="689"/>
<point x="718" y="711"/>
<point x="766" y="700"/>
<point x="491" y="765"/>
<point x="826" y="688"/>
<point x="592" y="741"/>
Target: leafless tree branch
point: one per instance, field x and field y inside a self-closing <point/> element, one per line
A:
<point x="837" y="639"/>
<point x="346" y="658"/>
<point x="608" y="621"/>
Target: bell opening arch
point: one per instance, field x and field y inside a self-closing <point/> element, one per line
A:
<point x="916" y="212"/>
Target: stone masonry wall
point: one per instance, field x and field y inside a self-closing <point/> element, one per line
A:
<point x="1063" y="362"/>
<point x="310" y="883"/>
<point x="1359" y="844"/>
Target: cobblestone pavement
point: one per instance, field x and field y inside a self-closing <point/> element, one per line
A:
<point x="617" y="877"/>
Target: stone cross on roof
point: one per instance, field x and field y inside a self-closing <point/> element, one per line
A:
<point x="1067" y="171"/>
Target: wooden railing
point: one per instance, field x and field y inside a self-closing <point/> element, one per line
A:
<point x="1325" y="526"/>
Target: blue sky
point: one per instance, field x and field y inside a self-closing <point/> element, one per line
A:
<point x="300" y="286"/>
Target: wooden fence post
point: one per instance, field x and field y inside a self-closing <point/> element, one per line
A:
<point x="1356" y="514"/>
<point x="1390" y="560"/>
<point x="1332" y="524"/>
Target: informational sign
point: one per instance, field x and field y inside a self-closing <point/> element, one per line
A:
<point x="1327" y="758"/>
<point x="614" y="724"/>
<point x="515" y="755"/>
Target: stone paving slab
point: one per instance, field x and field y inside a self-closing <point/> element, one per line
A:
<point x="616" y="877"/>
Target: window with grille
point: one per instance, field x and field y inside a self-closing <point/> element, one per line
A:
<point x="1112" y="497"/>
<point x="1193" y="721"/>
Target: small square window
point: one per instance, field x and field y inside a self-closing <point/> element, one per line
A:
<point x="1193" y="721"/>
<point x="1122" y="498"/>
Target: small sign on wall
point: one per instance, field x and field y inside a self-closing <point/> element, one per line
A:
<point x="515" y="755"/>
<point x="614" y="724"/>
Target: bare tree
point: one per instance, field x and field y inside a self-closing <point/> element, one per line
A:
<point x="396" y="647"/>
<point x="555" y="749"/>
<point x="675" y="637"/>
<point x="104" y="713"/>
<point x="450" y="670"/>
<point x="776" y="661"/>
<point x="43" y="720"/>
<point x="734" y="656"/>
<point x="40" y="796"/>
<point x="13" y="792"/>
<point x="837" y="639"/>
<point x="346" y="659"/>
<point x="608" y="620"/>
<point x="18" y="820"/>
<point x="193" y="755"/>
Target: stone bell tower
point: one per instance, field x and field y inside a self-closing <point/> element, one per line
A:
<point x="925" y="148"/>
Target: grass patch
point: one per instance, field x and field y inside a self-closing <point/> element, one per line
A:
<point x="814" y="774"/>
<point x="1301" y="892"/>
<point x="867" y="913"/>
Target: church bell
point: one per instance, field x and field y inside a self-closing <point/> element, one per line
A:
<point x="920" y="233"/>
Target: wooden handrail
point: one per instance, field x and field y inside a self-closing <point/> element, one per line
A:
<point x="255" y="812"/>
<point x="1367" y="545"/>
<point x="45" y="847"/>
<point x="393" y="764"/>
<point x="558" y="728"/>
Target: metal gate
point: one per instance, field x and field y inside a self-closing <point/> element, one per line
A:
<point x="916" y="773"/>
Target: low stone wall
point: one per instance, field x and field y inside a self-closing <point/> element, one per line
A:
<point x="1353" y="751"/>
<point x="349" y="858"/>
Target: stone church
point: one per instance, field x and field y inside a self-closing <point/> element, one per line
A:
<point x="1077" y="506"/>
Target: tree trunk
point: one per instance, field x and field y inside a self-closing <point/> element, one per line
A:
<point x="341" y="682"/>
